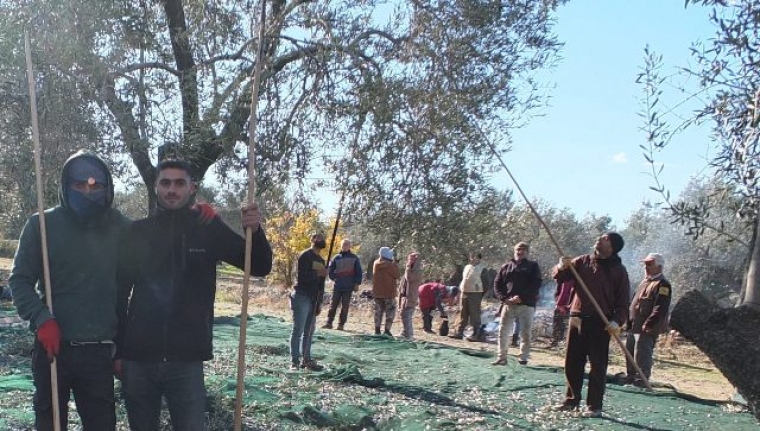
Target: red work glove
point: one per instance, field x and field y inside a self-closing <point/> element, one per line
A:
<point x="49" y="335"/>
<point x="117" y="368"/>
<point x="206" y="213"/>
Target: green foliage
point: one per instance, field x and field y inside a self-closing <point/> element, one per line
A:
<point x="396" y="96"/>
<point x="729" y="83"/>
<point x="711" y="262"/>
<point x="492" y="226"/>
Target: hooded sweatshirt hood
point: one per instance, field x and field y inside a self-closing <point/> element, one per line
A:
<point x="79" y="167"/>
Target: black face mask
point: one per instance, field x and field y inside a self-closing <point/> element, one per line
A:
<point x="320" y="244"/>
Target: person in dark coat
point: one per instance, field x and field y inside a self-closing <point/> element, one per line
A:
<point x="588" y="339"/>
<point x="346" y="273"/>
<point x="517" y="285"/>
<point x="167" y="286"/>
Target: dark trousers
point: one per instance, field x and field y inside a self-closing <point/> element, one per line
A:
<point x="342" y="298"/>
<point x="427" y="318"/>
<point x="641" y="347"/>
<point x="85" y="371"/>
<point x="586" y="340"/>
<point x="559" y="326"/>
<point x="181" y="383"/>
<point x="470" y="311"/>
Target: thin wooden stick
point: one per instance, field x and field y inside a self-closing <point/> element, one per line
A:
<point x="252" y="124"/>
<point x="572" y="268"/>
<point x="41" y="215"/>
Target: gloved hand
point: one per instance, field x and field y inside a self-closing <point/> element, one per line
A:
<point x="564" y="262"/>
<point x="49" y="335"/>
<point x="206" y="212"/>
<point x="613" y="328"/>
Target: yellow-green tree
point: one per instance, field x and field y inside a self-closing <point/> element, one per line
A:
<point x="289" y="236"/>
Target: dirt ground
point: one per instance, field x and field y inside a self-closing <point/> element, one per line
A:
<point x="680" y="364"/>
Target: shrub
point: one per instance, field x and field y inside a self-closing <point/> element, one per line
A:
<point x="8" y="248"/>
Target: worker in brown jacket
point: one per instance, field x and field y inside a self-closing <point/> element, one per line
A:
<point x="648" y="317"/>
<point x="588" y="338"/>
<point x="385" y="275"/>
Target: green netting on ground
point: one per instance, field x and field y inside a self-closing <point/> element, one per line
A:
<point x="383" y="383"/>
<point x="377" y="382"/>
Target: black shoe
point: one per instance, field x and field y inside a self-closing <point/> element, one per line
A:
<point x="340" y="327"/>
<point x="457" y="336"/>
<point x="429" y="331"/>
<point x="312" y="365"/>
<point x="388" y="332"/>
<point x="327" y="325"/>
<point x="476" y="338"/>
<point x="522" y="362"/>
<point x="377" y="330"/>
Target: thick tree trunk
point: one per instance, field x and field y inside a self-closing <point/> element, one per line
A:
<point x="751" y="288"/>
<point x="728" y="336"/>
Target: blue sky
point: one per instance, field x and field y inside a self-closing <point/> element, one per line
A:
<point x="583" y="152"/>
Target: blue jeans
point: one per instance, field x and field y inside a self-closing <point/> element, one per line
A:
<point x="87" y="371"/>
<point x="303" y="326"/>
<point x="180" y="382"/>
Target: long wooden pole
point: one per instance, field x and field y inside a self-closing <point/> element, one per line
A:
<point x="41" y="214"/>
<point x="252" y="124"/>
<point x="322" y="281"/>
<point x="572" y="268"/>
<point x="335" y="227"/>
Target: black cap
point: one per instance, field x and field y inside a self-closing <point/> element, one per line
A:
<point x="616" y="241"/>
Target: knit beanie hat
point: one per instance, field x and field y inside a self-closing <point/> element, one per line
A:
<point x="386" y="253"/>
<point x="616" y="241"/>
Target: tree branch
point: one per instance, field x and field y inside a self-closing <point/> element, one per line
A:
<point x="137" y="147"/>
<point x="149" y="65"/>
<point x="183" y="55"/>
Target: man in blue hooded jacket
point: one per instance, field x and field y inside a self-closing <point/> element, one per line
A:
<point x="346" y="272"/>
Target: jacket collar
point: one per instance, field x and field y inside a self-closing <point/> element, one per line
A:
<point x="184" y="212"/>
<point x="655" y="277"/>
